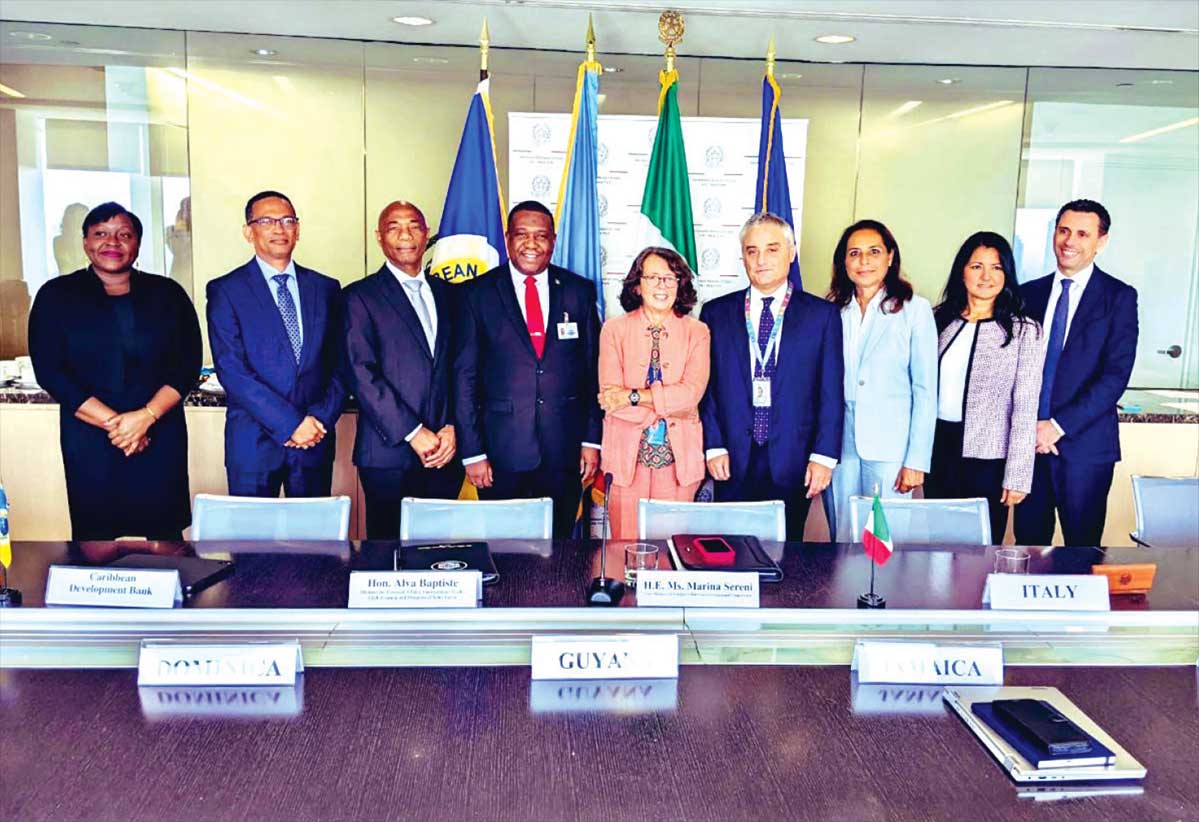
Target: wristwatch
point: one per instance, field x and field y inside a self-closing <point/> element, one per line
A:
<point x="634" y="397"/>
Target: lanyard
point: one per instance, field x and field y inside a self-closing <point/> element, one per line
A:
<point x="760" y="359"/>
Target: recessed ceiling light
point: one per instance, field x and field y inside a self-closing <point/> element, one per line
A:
<point x="948" y="81"/>
<point x="412" y="21"/>
<point x="1161" y="82"/>
<point x="835" y="39"/>
<point x="433" y="61"/>
<point x="265" y="52"/>
<point x="790" y="75"/>
<point x="29" y="35"/>
<point x="612" y="69"/>
<point x="1125" y="85"/>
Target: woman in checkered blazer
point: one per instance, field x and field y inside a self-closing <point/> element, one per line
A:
<point x="991" y="355"/>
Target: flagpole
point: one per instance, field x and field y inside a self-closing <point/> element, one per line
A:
<point x="484" y="48"/>
<point x="872" y="600"/>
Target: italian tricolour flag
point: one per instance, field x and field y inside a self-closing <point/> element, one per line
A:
<point x="666" y="218"/>
<point x="876" y="536"/>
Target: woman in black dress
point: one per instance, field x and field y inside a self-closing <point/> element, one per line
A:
<point x="118" y="350"/>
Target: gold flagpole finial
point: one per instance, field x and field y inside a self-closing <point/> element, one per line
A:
<point x="590" y="40"/>
<point x="484" y="47"/>
<point x="770" y="55"/>
<point x="670" y="31"/>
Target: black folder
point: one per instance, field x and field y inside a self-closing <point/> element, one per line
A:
<point x="195" y="573"/>
<point x="449" y="556"/>
<point x="748" y="555"/>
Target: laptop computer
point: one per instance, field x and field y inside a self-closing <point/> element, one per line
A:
<point x="1018" y="768"/>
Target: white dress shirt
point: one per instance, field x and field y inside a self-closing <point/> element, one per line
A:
<point x="756" y="298"/>
<point x="269" y="272"/>
<point x="1078" y="284"/>
<point x="855" y="328"/>
<point x="426" y="296"/>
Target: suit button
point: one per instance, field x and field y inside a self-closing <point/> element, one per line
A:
<point x="540" y="401"/>
<point x="540" y="371"/>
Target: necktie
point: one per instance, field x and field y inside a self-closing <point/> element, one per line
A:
<point x="287" y="309"/>
<point x="762" y="415"/>
<point x="1053" y="352"/>
<point x="422" y="311"/>
<point x="533" y="319"/>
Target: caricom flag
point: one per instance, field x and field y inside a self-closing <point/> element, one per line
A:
<point x="470" y="239"/>
<point x="773" y="194"/>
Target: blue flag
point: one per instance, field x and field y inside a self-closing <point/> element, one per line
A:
<point x="470" y="239"/>
<point x="577" y="218"/>
<point x="772" y="193"/>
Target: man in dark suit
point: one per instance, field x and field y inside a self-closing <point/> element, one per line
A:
<point x="526" y="368"/>
<point x="1090" y="323"/>
<point x="398" y="327"/>
<point x="774" y="407"/>
<point x="274" y="328"/>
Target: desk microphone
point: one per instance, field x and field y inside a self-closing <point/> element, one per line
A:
<point x="602" y="590"/>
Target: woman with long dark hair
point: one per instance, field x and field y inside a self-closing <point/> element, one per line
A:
<point x="889" y="342"/>
<point x="990" y="381"/>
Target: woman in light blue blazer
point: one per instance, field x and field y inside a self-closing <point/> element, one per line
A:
<point x="890" y="346"/>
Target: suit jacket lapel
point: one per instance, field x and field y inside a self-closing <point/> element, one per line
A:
<point x="1088" y="306"/>
<point x="788" y="341"/>
<point x="306" y="284"/>
<point x="441" y="298"/>
<point x="507" y="295"/>
<point x="554" y="315"/>
<point x="394" y="294"/>
<point x="258" y="286"/>
<point x="741" y="338"/>
<point x="878" y="328"/>
<point x="1038" y="298"/>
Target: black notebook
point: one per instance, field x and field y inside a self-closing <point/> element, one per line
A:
<point x="448" y="556"/>
<point x="748" y="555"/>
<point x="195" y="574"/>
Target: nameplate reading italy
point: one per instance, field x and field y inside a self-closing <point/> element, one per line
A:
<point x="247" y="663"/>
<point x="624" y="656"/>
<point x="1047" y="592"/>
<point x="698" y="589"/>
<point x="415" y="589"/>
<point x="113" y="588"/>
<point x="926" y="663"/>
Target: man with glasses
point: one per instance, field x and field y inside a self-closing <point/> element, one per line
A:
<point x="274" y="328"/>
<point x="526" y="348"/>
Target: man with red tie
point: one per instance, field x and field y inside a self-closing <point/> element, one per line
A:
<point x="526" y="354"/>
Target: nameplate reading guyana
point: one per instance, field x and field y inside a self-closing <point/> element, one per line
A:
<point x="1047" y="592"/>
<point x="926" y="663"/>
<point x="247" y="663"/>
<point x="113" y="587"/>
<point x="698" y="589"/>
<point x="623" y="656"/>
<point x="415" y="589"/>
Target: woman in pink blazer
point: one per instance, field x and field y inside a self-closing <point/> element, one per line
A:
<point x="653" y="369"/>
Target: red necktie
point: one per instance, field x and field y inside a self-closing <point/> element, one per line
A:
<point x="533" y="318"/>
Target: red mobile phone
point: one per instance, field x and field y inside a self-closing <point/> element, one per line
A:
<point x="714" y="551"/>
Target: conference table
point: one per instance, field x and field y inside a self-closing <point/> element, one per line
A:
<point x="433" y="715"/>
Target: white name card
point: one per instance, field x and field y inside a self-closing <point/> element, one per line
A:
<point x="113" y="588"/>
<point x="249" y="663"/>
<point x="1047" y="592"/>
<point x="698" y="589"/>
<point x="632" y="656"/>
<point x="415" y="589"/>
<point x="926" y="663"/>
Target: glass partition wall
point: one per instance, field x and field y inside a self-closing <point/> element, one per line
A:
<point x="184" y="126"/>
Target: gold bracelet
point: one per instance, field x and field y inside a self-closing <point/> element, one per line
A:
<point x="151" y="412"/>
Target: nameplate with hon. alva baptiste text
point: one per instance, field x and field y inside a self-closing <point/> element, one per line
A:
<point x="112" y="587"/>
<point x="926" y="663"/>
<point x="1047" y="592"/>
<point x="415" y="589"/>
<point x="245" y="663"/>
<point x="698" y="589"/>
<point x="621" y="656"/>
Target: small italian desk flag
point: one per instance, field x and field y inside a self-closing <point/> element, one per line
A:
<point x="876" y="536"/>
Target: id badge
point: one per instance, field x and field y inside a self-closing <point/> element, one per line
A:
<point x="761" y="393"/>
<point x="656" y="433"/>
<point x="568" y="331"/>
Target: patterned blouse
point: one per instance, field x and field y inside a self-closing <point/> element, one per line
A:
<point x="655" y="451"/>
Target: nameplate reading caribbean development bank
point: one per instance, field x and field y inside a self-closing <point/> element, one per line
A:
<point x="113" y="588"/>
<point x="248" y="663"/>
<point x="926" y="663"/>
<point x="624" y="656"/>
<point x="1047" y="592"/>
<point x="698" y="589"/>
<point x="415" y="589"/>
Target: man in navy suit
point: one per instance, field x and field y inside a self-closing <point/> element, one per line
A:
<point x="398" y="327"/>
<point x="274" y="328"/>
<point x="1090" y="323"/>
<point x="774" y="407"/>
<point x="526" y="364"/>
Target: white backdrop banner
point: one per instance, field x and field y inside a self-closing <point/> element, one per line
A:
<point x="722" y="163"/>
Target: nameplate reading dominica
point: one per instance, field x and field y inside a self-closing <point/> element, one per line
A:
<point x="1047" y="592"/>
<point x="698" y="589"/>
<point x="925" y="663"/>
<point x="241" y="701"/>
<point x="113" y="588"/>
<point x="415" y="589"/>
<point x="249" y="663"/>
<point x="632" y="656"/>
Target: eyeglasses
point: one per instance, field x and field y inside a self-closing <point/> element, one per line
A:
<point x="271" y="222"/>
<point x="667" y="282"/>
